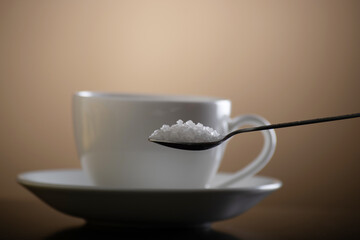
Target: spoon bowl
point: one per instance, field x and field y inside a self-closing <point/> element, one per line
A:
<point x="193" y="146"/>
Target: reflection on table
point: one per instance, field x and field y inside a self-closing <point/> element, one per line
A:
<point x="32" y="219"/>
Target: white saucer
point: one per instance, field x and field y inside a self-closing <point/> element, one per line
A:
<point x="70" y="192"/>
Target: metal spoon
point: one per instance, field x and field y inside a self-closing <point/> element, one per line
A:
<point x="198" y="146"/>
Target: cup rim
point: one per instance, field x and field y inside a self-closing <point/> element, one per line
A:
<point x="148" y="97"/>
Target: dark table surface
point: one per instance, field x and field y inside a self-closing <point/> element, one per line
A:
<point x="32" y="219"/>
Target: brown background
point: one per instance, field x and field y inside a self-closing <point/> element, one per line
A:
<point x="285" y="60"/>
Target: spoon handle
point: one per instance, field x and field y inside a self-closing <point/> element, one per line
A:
<point x="291" y="124"/>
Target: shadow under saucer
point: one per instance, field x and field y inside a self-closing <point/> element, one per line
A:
<point x="95" y="232"/>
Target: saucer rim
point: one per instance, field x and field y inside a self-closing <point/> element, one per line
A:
<point x="23" y="179"/>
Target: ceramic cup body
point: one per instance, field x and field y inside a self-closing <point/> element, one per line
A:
<point x="112" y="130"/>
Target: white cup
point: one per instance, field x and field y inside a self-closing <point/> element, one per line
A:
<point x="112" y="130"/>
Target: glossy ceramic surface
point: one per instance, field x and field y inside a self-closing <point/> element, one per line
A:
<point x="112" y="130"/>
<point x="70" y="192"/>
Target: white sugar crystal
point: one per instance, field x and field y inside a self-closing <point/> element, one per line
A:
<point x="185" y="132"/>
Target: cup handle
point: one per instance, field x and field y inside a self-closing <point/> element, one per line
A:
<point x="265" y="155"/>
